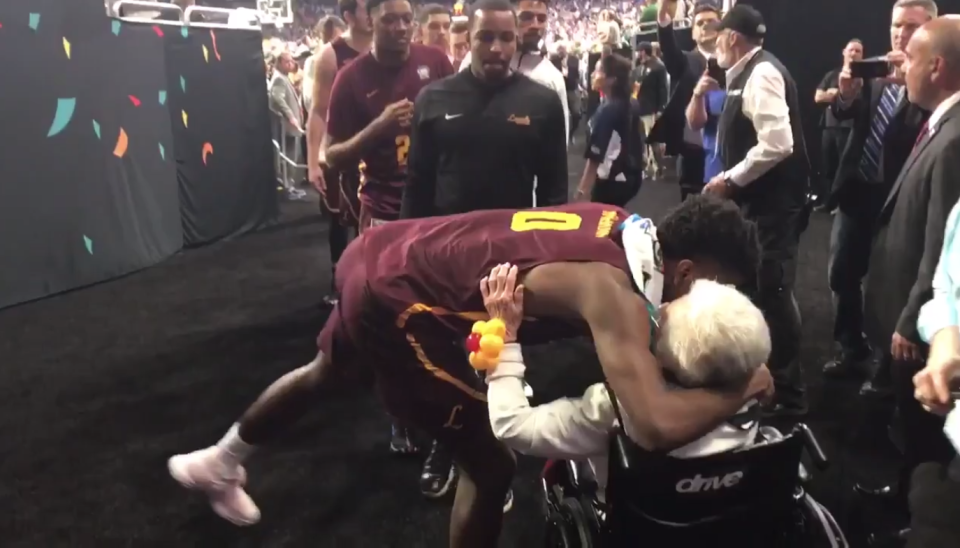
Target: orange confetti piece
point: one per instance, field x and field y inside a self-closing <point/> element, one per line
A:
<point x="207" y="151"/>
<point x="122" y="143"/>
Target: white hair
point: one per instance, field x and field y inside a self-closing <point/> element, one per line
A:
<point x="714" y="337"/>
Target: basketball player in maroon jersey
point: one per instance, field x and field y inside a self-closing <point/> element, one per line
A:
<point x="410" y="295"/>
<point x="371" y="105"/>
<point x="338" y="188"/>
<point x="340" y="197"/>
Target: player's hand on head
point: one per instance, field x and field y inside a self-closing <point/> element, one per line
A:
<point x="503" y="298"/>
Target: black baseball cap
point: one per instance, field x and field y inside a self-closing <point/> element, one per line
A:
<point x="744" y="19"/>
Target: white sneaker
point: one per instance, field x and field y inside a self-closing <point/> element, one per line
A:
<point x="204" y="471"/>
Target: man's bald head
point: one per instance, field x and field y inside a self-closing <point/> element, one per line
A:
<point x="932" y="70"/>
<point x="944" y="36"/>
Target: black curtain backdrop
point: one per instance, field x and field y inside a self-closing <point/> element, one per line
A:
<point x="85" y="192"/>
<point x="221" y="126"/>
<point x="808" y="36"/>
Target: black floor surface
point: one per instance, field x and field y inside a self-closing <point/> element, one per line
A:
<point x="99" y="386"/>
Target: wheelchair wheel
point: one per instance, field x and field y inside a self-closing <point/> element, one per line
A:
<point x="577" y="520"/>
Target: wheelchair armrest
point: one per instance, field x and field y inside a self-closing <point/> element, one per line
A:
<point x="812" y="446"/>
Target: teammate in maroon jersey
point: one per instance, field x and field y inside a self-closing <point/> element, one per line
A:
<point x="409" y="296"/>
<point x="371" y="105"/>
<point x="337" y="187"/>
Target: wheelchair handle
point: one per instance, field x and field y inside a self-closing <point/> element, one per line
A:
<point x="810" y="442"/>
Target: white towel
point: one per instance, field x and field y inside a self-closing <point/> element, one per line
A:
<point x="644" y="257"/>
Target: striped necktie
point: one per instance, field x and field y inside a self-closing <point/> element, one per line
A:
<point x="870" y="162"/>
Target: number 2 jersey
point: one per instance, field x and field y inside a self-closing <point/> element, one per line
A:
<point x="436" y="264"/>
<point x="360" y="93"/>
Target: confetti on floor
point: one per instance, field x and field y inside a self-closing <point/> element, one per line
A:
<point x="162" y="97"/>
<point x="158" y="31"/>
<point x="163" y="152"/>
<point x="34" y="20"/>
<point x="96" y="128"/>
<point x="66" y="47"/>
<point x="183" y="114"/>
<point x="63" y="115"/>
<point x="88" y="243"/>
<point x="134" y="100"/>
<point x="183" y="84"/>
<point x="206" y="54"/>
<point x="207" y="151"/>
<point x="185" y="32"/>
<point x="115" y="28"/>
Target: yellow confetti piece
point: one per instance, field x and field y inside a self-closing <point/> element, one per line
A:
<point x="183" y="113"/>
<point x="66" y="47"/>
<point x="206" y="54"/>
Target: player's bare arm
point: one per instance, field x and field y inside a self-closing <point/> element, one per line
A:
<point x="619" y="323"/>
<point x="325" y="70"/>
<point x="339" y="153"/>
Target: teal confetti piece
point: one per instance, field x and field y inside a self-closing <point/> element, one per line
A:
<point x="163" y="153"/>
<point x="88" y="243"/>
<point x="64" y="114"/>
<point x="162" y="97"/>
<point x="34" y="20"/>
<point x="184" y="32"/>
<point x="96" y="128"/>
<point x="115" y="28"/>
<point x="183" y="84"/>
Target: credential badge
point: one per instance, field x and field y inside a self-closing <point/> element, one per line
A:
<point x="424" y="72"/>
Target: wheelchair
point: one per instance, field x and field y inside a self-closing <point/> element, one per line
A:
<point x="753" y="498"/>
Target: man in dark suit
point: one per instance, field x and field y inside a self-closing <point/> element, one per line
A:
<point x="910" y="235"/>
<point x="685" y="69"/>
<point x="885" y="125"/>
<point x="651" y="90"/>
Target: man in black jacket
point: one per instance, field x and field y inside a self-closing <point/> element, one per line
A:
<point x="483" y="138"/>
<point x="685" y="69"/>
<point x="885" y="125"/>
<point x="650" y="79"/>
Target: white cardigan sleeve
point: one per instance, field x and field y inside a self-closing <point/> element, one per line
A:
<point x="567" y="428"/>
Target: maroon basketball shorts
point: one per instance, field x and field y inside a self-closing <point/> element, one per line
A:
<point x="341" y="198"/>
<point x="420" y="364"/>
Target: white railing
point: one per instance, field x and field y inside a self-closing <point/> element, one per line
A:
<point x="140" y="6"/>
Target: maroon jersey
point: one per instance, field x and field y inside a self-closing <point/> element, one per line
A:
<point x="437" y="263"/>
<point x="360" y="93"/>
<point x="343" y="52"/>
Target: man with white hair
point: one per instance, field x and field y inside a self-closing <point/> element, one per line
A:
<point x="714" y="337"/>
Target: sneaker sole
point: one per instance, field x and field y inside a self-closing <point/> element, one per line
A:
<point x="178" y="475"/>
<point x="445" y="488"/>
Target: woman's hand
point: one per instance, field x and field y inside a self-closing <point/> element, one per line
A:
<point x="503" y="298"/>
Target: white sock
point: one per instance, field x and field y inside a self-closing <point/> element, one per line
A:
<point x="233" y="450"/>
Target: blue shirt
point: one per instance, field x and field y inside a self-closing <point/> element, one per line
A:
<point x="941" y="311"/>
<point x="712" y="165"/>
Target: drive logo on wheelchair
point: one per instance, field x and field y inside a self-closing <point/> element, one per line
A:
<point x="699" y="484"/>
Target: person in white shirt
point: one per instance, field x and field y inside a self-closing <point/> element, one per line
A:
<point x="713" y="336"/>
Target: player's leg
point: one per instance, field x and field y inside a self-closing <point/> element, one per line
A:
<point x="218" y="470"/>
<point x="486" y="469"/>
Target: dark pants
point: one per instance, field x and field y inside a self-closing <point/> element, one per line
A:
<point x="850" y="243"/>
<point x="690" y="169"/>
<point x="615" y="193"/>
<point x="923" y="437"/>
<point x="779" y="229"/>
<point x="832" y="143"/>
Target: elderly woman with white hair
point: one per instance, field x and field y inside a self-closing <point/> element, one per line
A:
<point x="713" y="337"/>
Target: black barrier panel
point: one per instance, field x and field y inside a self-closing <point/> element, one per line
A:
<point x="221" y="125"/>
<point x="87" y="175"/>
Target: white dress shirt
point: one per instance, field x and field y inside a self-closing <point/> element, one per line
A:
<point x="764" y="99"/>
<point x="576" y="428"/>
